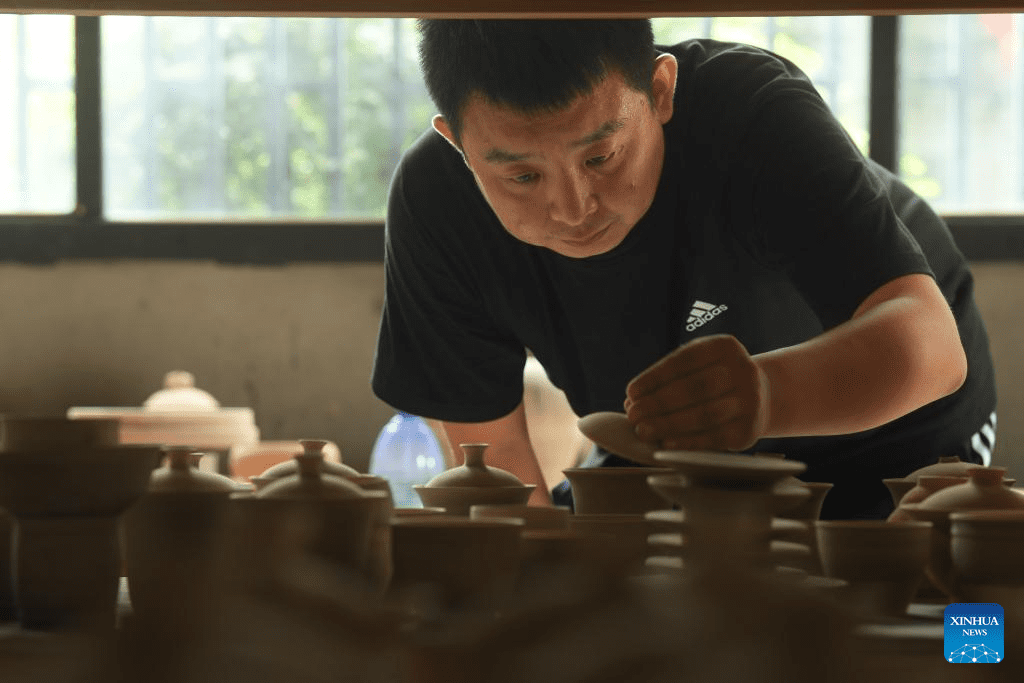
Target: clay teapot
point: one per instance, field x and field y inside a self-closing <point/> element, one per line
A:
<point x="946" y="466"/>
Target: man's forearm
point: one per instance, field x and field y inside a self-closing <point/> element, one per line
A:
<point x="893" y="358"/>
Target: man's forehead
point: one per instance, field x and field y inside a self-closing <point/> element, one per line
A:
<point x="500" y="156"/>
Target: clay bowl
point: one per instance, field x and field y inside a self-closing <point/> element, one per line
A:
<point x="66" y="546"/>
<point x="535" y="517"/>
<point x="808" y="509"/>
<point x="94" y="481"/>
<point x="614" y="490"/>
<point x="43" y="432"/>
<point x="987" y="550"/>
<point x="457" y="500"/>
<point x="462" y="563"/>
<point x="883" y="562"/>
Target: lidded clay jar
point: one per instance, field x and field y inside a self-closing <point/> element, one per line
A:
<point x="180" y="393"/>
<point x="310" y="447"/>
<point x="474" y="472"/>
<point x="311" y="482"/>
<point x="983" y="490"/>
<point x="926" y="486"/>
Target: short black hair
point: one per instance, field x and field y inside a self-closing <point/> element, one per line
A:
<point x="530" y="66"/>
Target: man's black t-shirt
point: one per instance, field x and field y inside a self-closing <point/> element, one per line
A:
<point x="768" y="224"/>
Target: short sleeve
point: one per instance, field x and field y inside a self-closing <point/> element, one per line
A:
<point x="804" y="199"/>
<point x="440" y="353"/>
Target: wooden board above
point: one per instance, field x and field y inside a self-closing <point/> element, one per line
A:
<point x="510" y="8"/>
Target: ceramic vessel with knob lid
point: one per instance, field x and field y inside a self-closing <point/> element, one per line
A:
<point x="175" y="537"/>
<point x="310" y="511"/>
<point x="984" y="490"/>
<point x="473" y="483"/>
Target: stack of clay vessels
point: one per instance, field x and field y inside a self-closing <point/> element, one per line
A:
<point x="611" y="503"/>
<point x="379" y="559"/>
<point x="985" y="489"/>
<point x="66" y="486"/>
<point x="728" y="503"/>
<point x="180" y="414"/>
<point x="174" y="538"/>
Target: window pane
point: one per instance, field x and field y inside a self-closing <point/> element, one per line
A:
<point x="962" y="111"/>
<point x="37" y="114"/>
<point x="257" y="117"/>
<point x="832" y="51"/>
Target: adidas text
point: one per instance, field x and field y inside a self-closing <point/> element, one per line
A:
<point x="705" y="317"/>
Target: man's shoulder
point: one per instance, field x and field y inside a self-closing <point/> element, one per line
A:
<point x="724" y="67"/>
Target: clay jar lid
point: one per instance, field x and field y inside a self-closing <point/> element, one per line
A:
<point x="310" y="447"/>
<point x="180" y="393"/>
<point x="475" y="473"/>
<point x="983" y="490"/>
<point x="947" y="466"/>
<point x="182" y="476"/>
<point x="310" y="482"/>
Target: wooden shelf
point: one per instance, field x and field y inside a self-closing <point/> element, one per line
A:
<point x="510" y="8"/>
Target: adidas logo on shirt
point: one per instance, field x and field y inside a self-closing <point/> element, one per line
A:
<point x="703" y="313"/>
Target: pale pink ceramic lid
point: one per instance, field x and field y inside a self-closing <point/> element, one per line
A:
<point x="475" y="473"/>
<point x="180" y="394"/>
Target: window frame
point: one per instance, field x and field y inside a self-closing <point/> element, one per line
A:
<point x="86" y="235"/>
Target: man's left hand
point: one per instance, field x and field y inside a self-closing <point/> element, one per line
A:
<point x="708" y="394"/>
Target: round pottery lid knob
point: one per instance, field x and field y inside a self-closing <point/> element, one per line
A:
<point x="180" y="393"/>
<point x="475" y="472"/>
<point x="182" y="475"/>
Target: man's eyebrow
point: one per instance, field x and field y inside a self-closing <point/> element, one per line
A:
<point x="500" y="156"/>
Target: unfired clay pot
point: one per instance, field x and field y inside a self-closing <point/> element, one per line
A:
<point x="883" y="562"/>
<point x="984" y="490"/>
<point x="39" y="432"/>
<point x="987" y="550"/>
<point x="174" y="537"/>
<point x="946" y="466"/>
<point x="67" y="507"/>
<point x="331" y="465"/>
<point x="926" y="486"/>
<point x="463" y="564"/>
<point x="615" y="490"/>
<point x="330" y="517"/>
<point x="473" y="483"/>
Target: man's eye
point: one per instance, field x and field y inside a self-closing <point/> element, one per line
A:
<point x="524" y="179"/>
<point x="598" y="160"/>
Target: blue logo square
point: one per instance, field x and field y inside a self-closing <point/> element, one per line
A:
<point x="973" y="633"/>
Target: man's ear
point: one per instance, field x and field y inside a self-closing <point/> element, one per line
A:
<point x="663" y="86"/>
<point x="442" y="127"/>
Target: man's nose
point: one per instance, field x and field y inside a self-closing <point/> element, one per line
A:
<point x="572" y="199"/>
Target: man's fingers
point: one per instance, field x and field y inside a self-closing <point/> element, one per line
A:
<point x="709" y="383"/>
<point x="687" y="359"/>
